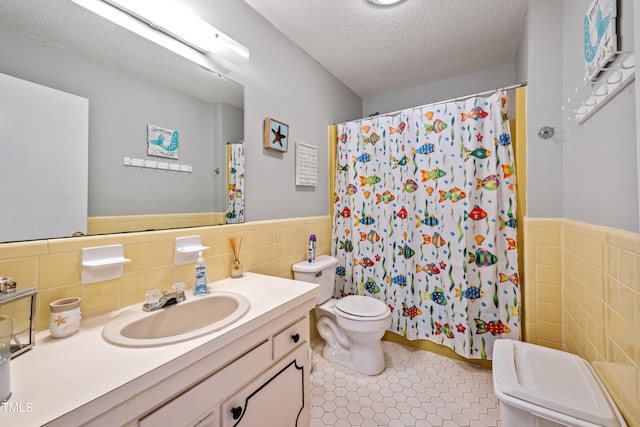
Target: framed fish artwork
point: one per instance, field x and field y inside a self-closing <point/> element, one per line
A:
<point x="600" y="39"/>
<point x="276" y="135"/>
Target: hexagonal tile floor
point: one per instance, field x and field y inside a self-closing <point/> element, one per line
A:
<point x="417" y="388"/>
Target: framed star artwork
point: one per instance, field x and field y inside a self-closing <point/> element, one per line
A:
<point x="276" y="135"/>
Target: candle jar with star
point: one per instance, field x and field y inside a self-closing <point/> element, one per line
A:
<point x="65" y="317"/>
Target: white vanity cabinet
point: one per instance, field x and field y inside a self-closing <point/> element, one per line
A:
<point x="259" y="364"/>
<point x="266" y="386"/>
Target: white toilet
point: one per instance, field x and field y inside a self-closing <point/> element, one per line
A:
<point x="353" y="326"/>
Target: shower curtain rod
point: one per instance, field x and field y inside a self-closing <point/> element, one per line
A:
<point x="460" y="98"/>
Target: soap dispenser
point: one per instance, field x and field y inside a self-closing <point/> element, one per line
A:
<point x="201" y="287"/>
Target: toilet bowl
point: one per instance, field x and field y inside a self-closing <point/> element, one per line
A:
<point x="352" y="327"/>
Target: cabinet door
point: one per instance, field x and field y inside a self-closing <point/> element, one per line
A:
<point x="279" y="397"/>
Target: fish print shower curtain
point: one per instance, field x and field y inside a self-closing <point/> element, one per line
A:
<point x="424" y="220"/>
<point x="235" y="183"/>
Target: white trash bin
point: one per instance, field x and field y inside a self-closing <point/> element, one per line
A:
<point x="538" y="386"/>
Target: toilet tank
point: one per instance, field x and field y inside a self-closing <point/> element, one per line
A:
<point x="322" y="272"/>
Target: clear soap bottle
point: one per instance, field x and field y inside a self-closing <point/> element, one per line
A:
<point x="201" y="287"/>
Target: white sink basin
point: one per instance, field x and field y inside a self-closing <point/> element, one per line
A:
<point x="189" y="319"/>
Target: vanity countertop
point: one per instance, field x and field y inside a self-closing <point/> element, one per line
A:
<point x="64" y="377"/>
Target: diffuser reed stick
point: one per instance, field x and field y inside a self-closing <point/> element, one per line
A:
<point x="235" y="248"/>
<point x="236" y="266"/>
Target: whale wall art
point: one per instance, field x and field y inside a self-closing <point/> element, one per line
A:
<point x="600" y="40"/>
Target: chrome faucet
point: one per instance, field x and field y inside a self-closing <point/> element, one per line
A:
<point x="155" y="301"/>
<point x="7" y="285"/>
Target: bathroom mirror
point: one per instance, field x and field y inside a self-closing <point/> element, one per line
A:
<point x="131" y="84"/>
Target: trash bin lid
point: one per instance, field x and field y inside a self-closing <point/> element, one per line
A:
<point x="553" y="379"/>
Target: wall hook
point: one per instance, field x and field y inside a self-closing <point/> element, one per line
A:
<point x="546" y="132"/>
<point x="611" y="50"/>
<point x="576" y="90"/>
<point x="619" y="74"/>
<point x="605" y="88"/>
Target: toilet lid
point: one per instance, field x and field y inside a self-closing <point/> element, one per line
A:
<point x="361" y="306"/>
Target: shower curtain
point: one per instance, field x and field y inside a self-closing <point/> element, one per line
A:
<point x="235" y="182"/>
<point x="424" y="220"/>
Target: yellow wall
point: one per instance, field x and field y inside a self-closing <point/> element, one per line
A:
<point x="53" y="266"/>
<point x="542" y="295"/>
<point x="583" y="296"/>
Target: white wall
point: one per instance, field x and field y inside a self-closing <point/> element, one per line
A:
<point x="600" y="155"/>
<point x="467" y="84"/>
<point x="636" y="20"/>
<point x="522" y="56"/>
<point x="44" y="188"/>
<point x="544" y="98"/>
<point x="282" y="82"/>
<point x="588" y="172"/>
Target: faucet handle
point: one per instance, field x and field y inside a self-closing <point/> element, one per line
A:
<point x="178" y="287"/>
<point x="152" y="296"/>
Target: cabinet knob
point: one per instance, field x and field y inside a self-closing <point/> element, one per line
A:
<point x="236" y="412"/>
<point x="295" y="338"/>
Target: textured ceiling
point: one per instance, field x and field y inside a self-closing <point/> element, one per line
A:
<point x="375" y="50"/>
<point x="64" y="23"/>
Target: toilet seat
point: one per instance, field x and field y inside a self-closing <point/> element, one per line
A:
<point x="362" y="308"/>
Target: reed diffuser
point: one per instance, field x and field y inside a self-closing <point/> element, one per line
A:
<point x="236" y="265"/>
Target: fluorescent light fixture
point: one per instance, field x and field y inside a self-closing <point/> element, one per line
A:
<point x="384" y="2"/>
<point x="171" y="25"/>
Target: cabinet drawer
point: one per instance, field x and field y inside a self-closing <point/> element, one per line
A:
<point x="195" y="406"/>
<point x="291" y="337"/>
